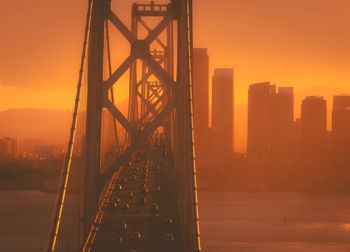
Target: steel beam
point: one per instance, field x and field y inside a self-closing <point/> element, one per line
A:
<point x="94" y="113"/>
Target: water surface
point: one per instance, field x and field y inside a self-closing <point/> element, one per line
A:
<point x="243" y="222"/>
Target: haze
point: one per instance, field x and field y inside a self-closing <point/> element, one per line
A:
<point x="301" y="43"/>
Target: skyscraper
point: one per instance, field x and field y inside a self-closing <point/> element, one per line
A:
<point x="281" y="124"/>
<point x="341" y="126"/>
<point x="313" y="128"/>
<point x="222" y="111"/>
<point x="259" y="97"/>
<point x="270" y="122"/>
<point x="201" y="100"/>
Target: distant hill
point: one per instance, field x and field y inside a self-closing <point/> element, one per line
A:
<point x="34" y="127"/>
<point x="42" y="126"/>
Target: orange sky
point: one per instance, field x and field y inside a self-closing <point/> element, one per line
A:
<point x="300" y="43"/>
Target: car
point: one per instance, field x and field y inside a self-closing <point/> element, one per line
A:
<point x="168" y="221"/>
<point x="136" y="236"/>
<point x="116" y="202"/>
<point x="156" y="189"/>
<point x="154" y="208"/>
<point x="142" y="200"/>
<point x="126" y="207"/>
<point x="122" y="226"/>
<point x="142" y="186"/>
<point x="168" y="237"/>
<point x="118" y="241"/>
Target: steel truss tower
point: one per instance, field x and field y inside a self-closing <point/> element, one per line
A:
<point x="160" y="104"/>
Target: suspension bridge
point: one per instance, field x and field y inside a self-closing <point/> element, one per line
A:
<point x="128" y="182"/>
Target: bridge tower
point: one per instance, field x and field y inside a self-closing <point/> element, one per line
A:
<point x="159" y="125"/>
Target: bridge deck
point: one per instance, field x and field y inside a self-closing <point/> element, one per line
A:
<point x="141" y="214"/>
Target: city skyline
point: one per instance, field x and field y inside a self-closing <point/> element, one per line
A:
<point x="313" y="64"/>
<point x="175" y="125"/>
<point x="240" y="134"/>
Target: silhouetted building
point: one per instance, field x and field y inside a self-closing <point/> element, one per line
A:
<point x="201" y="101"/>
<point x="341" y="127"/>
<point x="296" y="134"/>
<point x="259" y="96"/>
<point x="270" y="122"/>
<point x="281" y="124"/>
<point x="222" y="113"/>
<point x="8" y="148"/>
<point x="313" y="128"/>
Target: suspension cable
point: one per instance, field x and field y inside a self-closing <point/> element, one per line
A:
<point x="189" y="24"/>
<point x="61" y="196"/>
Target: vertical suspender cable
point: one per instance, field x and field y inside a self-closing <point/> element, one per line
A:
<point x="68" y="160"/>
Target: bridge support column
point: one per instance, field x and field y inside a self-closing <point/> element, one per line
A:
<point x="94" y="113"/>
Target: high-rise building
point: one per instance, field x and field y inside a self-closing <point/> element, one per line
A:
<point x="259" y="98"/>
<point x="270" y="122"/>
<point x="313" y="128"/>
<point x="281" y="124"/>
<point x="201" y="101"/>
<point x="8" y="148"/>
<point x="223" y="112"/>
<point x="341" y="126"/>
